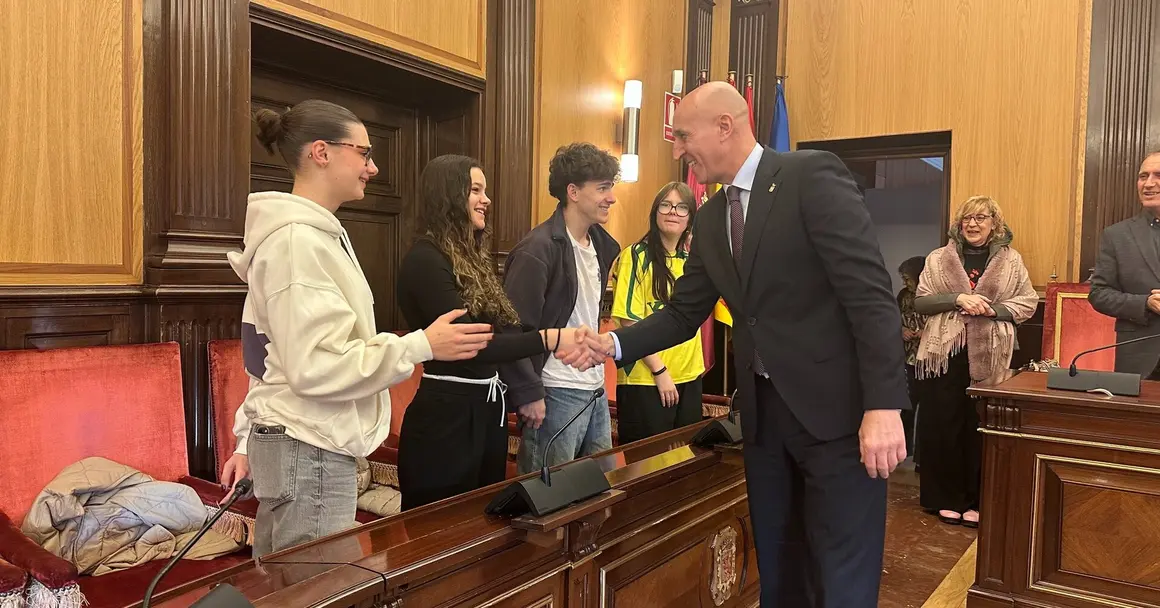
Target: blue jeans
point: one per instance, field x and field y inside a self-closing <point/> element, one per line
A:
<point x="590" y="434"/>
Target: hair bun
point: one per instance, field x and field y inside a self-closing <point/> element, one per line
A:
<point x="269" y="128"/>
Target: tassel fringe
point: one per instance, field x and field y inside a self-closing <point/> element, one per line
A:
<point x="69" y="596"/>
<point x="385" y="474"/>
<point x="233" y="525"/>
<point x="513" y="445"/>
<point x="13" y="599"/>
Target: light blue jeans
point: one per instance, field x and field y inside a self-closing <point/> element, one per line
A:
<point x="304" y="493"/>
<point x="590" y="434"/>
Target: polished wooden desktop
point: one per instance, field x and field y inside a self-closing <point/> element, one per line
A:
<point x="1071" y="497"/>
<point x="674" y="531"/>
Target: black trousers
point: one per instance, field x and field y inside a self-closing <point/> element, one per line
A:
<point x="451" y="441"/>
<point x="640" y="413"/>
<point x="819" y="520"/>
<point x="949" y="440"/>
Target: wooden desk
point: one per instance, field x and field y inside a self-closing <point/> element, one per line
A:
<point x="673" y="532"/>
<point x="1071" y="497"/>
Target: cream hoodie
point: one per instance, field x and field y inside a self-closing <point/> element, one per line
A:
<point x="317" y="365"/>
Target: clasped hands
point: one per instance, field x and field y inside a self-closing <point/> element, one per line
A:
<point x="582" y="347"/>
<point x="974" y="305"/>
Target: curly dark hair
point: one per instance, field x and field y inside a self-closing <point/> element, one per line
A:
<point x="443" y="220"/>
<point x="579" y="163"/>
<point x="912" y="267"/>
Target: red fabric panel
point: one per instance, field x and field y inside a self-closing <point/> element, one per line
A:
<point x="228" y="385"/>
<point x="11" y="578"/>
<point x="24" y="553"/>
<point x="59" y="406"/>
<point x="127" y="587"/>
<point x="1068" y="314"/>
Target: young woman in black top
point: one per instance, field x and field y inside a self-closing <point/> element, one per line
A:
<point x="454" y="434"/>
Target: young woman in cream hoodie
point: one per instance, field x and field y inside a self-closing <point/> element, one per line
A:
<point x="319" y="370"/>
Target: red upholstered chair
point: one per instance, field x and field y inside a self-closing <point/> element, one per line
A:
<point x="123" y="403"/>
<point x="1071" y="325"/>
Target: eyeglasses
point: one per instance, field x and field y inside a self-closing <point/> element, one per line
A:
<point x="679" y="210"/>
<point x="978" y="219"/>
<point x="364" y="150"/>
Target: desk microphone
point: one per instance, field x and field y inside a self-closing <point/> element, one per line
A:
<point x="721" y="431"/>
<point x="240" y="489"/>
<point x="575" y="481"/>
<point x="545" y="475"/>
<point x="1117" y="383"/>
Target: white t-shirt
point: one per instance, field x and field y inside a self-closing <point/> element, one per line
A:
<point x="586" y="312"/>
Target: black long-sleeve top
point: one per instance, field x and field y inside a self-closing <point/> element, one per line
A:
<point x="426" y="290"/>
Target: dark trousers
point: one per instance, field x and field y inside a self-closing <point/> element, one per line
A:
<point x="819" y="520"/>
<point x="909" y="416"/>
<point x="640" y="413"/>
<point x="949" y="440"/>
<point x="451" y="442"/>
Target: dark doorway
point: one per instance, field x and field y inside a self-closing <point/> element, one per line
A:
<point x="905" y="180"/>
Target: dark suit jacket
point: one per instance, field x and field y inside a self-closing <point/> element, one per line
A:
<point x="1127" y="270"/>
<point x="812" y="295"/>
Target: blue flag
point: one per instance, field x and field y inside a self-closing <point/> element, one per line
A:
<point x="779" y="131"/>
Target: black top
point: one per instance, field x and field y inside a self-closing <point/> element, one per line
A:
<point x="426" y="290"/>
<point x="975" y="262"/>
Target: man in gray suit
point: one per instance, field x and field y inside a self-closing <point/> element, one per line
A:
<point x="1126" y="283"/>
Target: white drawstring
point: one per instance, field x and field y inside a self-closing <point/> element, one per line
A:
<point x="496" y="390"/>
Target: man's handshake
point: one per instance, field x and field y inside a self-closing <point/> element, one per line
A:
<point x="584" y="348"/>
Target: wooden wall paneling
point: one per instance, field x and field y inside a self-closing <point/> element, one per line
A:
<point x="451" y="33"/>
<point x="509" y="100"/>
<point x="580" y="93"/>
<point x="71" y="166"/>
<point x="1123" y="114"/>
<point x="198" y="131"/>
<point x="753" y="44"/>
<point x="1005" y="56"/>
<point x="39" y="318"/>
<point x="722" y="23"/>
<point x="192" y="316"/>
<point x="699" y="54"/>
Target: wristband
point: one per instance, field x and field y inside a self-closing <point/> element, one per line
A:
<point x="660" y="371"/>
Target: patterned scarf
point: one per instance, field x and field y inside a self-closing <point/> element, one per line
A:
<point x="989" y="343"/>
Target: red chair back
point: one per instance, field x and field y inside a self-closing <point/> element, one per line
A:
<point x="1071" y="326"/>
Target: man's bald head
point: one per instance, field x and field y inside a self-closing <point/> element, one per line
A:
<point x="714" y="99"/>
<point x="712" y="132"/>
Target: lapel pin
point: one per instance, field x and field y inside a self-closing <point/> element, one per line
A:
<point x="772" y="187"/>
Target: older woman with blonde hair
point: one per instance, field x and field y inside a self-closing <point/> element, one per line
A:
<point x="973" y="291"/>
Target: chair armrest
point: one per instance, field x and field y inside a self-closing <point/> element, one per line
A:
<point x="236" y="523"/>
<point x="13" y="580"/>
<point x="45" y="568"/>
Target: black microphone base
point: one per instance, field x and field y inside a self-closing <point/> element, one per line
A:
<point x="576" y="481"/>
<point x="1116" y="383"/>
<point x="223" y="596"/>
<point x="721" y="430"/>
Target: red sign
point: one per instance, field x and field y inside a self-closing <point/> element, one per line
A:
<point x="671" y="103"/>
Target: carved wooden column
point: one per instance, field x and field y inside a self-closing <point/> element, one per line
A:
<point x="509" y="99"/>
<point x="699" y="56"/>
<point x="197" y="150"/>
<point x="1123" y="114"/>
<point x="753" y="29"/>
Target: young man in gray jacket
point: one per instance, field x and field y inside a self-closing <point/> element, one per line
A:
<point x="556" y="277"/>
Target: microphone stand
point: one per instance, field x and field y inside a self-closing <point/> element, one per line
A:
<point x="1091" y="381"/>
<point x="545" y="475"/>
<point x="240" y="489"/>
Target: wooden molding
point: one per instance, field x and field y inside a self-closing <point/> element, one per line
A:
<point x="509" y="101"/>
<point x="1123" y="114"/>
<point x="753" y="45"/>
<point x="373" y="47"/>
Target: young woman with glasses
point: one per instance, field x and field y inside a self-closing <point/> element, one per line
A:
<point x="319" y="369"/>
<point x="662" y="391"/>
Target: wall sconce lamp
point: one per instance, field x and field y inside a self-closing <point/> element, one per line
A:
<point x="629" y="159"/>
